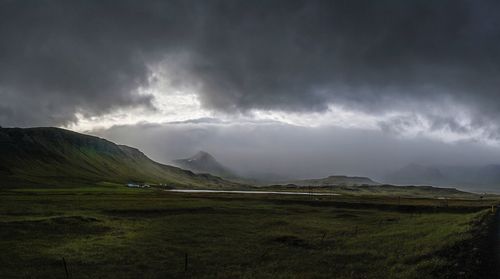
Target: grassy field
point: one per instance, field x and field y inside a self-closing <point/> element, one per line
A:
<point x="114" y="232"/>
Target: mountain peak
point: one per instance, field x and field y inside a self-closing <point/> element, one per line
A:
<point x="204" y="162"/>
<point x="202" y="156"/>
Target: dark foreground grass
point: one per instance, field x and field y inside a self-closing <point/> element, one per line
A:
<point x="123" y="233"/>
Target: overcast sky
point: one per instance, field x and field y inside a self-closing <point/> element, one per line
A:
<point x="297" y="88"/>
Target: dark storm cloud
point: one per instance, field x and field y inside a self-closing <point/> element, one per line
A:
<point x="57" y="57"/>
<point x="374" y="56"/>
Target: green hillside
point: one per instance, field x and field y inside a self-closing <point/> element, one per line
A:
<point x="52" y="156"/>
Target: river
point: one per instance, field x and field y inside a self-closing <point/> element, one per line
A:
<point x="250" y="192"/>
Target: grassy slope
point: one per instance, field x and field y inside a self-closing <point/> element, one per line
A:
<point x="51" y="156"/>
<point x="409" y="191"/>
<point x="383" y="190"/>
<point x="134" y="233"/>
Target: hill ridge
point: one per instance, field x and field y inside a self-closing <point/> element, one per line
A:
<point x="333" y="180"/>
<point x="49" y="155"/>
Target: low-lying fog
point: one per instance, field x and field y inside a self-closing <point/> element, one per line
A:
<point x="263" y="150"/>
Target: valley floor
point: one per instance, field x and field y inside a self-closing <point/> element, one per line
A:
<point x="145" y="233"/>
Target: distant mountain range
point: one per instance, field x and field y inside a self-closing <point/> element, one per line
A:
<point x="334" y="180"/>
<point x="52" y="156"/>
<point x="203" y="162"/>
<point x="415" y="174"/>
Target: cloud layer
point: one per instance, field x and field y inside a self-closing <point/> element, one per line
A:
<point x="425" y="59"/>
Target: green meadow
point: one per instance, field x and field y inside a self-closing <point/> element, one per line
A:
<point x="115" y="232"/>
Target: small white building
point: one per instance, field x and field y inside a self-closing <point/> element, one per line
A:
<point x="134" y="185"/>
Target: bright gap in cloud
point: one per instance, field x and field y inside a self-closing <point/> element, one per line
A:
<point x="334" y="116"/>
<point x="176" y="99"/>
<point x="176" y="106"/>
<point x="169" y="106"/>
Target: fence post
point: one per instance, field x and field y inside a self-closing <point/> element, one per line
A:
<point x="65" y="268"/>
